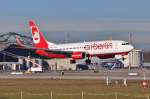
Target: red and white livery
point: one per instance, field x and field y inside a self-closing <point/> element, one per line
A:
<point x="102" y="49"/>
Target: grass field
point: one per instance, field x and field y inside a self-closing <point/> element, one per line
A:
<point x="69" y="89"/>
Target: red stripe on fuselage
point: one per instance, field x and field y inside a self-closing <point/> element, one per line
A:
<point x="112" y="55"/>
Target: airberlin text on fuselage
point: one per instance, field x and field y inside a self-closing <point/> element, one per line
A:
<point x="98" y="46"/>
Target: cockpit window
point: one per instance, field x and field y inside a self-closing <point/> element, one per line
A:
<point x="125" y="43"/>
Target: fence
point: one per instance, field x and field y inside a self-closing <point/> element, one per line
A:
<point x="81" y="95"/>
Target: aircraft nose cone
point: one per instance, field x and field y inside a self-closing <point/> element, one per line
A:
<point x="131" y="47"/>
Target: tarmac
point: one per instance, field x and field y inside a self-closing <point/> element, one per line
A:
<point x="134" y="74"/>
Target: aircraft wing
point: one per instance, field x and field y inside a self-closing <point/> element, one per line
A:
<point x="44" y="49"/>
<point x="20" y="45"/>
<point x="51" y="53"/>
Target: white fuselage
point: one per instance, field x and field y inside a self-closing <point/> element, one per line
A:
<point x="91" y="48"/>
<point x="95" y="47"/>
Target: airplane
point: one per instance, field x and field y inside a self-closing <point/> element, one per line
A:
<point x="81" y="50"/>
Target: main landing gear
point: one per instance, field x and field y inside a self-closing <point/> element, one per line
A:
<point x="88" y="61"/>
<point x="72" y="61"/>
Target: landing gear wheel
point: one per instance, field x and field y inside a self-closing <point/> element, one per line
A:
<point x="123" y="58"/>
<point x="88" y="61"/>
<point x="72" y="61"/>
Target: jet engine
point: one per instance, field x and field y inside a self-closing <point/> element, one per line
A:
<point x="78" y="55"/>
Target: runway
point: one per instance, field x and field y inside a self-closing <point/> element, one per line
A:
<point x="72" y="77"/>
<point x="135" y="74"/>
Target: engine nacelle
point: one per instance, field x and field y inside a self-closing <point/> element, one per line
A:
<point x="78" y="55"/>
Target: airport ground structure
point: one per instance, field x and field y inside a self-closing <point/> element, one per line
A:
<point x="14" y="58"/>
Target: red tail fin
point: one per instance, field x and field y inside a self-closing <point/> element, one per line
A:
<point x="37" y="36"/>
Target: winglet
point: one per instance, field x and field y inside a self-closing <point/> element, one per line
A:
<point x="19" y="43"/>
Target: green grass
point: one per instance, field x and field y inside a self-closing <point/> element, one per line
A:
<point x="69" y="89"/>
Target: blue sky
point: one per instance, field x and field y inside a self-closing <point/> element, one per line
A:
<point x="122" y="16"/>
<point x="76" y="14"/>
